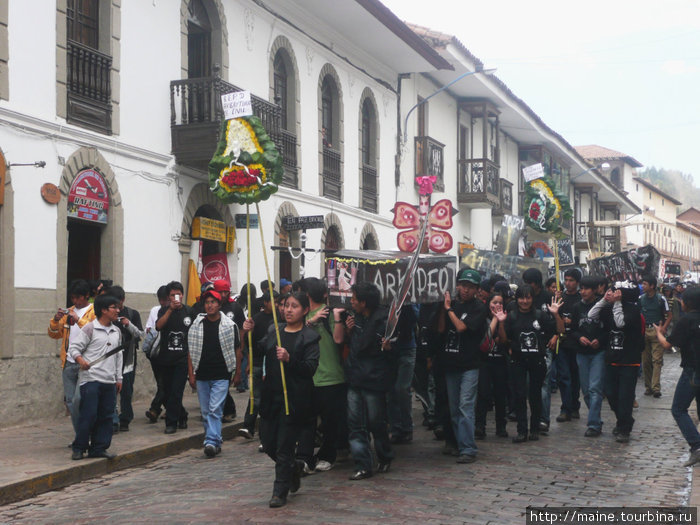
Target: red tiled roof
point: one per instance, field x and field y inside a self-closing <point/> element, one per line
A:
<point x="595" y="152"/>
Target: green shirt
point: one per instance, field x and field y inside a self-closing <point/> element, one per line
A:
<point x="330" y="366"/>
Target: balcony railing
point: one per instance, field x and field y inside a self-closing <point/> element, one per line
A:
<point x="429" y="160"/>
<point x="89" y="88"/>
<point x="586" y="236"/>
<point x="288" y="149"/>
<point x="369" y="188"/>
<point x="331" y="174"/>
<point x="478" y="185"/>
<point x="505" y="204"/>
<point x="196" y="114"/>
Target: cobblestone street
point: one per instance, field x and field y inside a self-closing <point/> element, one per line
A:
<point x="423" y="486"/>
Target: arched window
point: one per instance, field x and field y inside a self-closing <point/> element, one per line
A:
<point x="284" y="87"/>
<point x="332" y="238"/>
<point x="330" y="119"/>
<point x="199" y="30"/>
<point x="280" y="82"/>
<point x="368" y="153"/>
<point x="327" y="95"/>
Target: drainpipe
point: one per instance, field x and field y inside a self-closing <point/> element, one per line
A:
<point x="397" y="157"/>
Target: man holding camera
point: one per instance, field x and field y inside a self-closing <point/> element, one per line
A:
<point x="66" y="325"/>
<point x="173" y="323"/>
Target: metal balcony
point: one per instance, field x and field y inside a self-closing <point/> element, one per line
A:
<point x="369" y="188"/>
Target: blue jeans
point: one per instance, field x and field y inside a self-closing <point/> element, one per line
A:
<point x="399" y="398"/>
<point x="71" y="391"/>
<point x="95" y="423"/>
<point x="461" y="396"/>
<point x="591" y="372"/>
<point x="684" y="395"/>
<point x="212" y="395"/>
<point x="546" y="390"/>
<point x="367" y="414"/>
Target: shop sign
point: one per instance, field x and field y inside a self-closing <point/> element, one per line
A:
<point x="240" y="219"/>
<point x="230" y="239"/>
<point x="50" y="193"/>
<point x="214" y="268"/>
<point x="208" y="229"/>
<point x="88" y="198"/>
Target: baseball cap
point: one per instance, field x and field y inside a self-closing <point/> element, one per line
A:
<point x="211" y="293"/>
<point x="222" y="285"/>
<point x="284" y="282"/>
<point x="469" y="275"/>
<point x="206" y="287"/>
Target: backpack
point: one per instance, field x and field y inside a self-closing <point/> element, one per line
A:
<point x="151" y="344"/>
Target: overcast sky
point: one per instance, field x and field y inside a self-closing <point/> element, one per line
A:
<point x="624" y="74"/>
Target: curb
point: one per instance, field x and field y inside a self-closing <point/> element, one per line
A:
<point x="92" y="468"/>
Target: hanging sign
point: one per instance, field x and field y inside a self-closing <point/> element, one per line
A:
<point x="88" y="198"/>
<point x="208" y="229"/>
<point x="236" y="104"/>
<point x="214" y="268"/>
<point x="230" y="239"/>
<point x="50" y="193"/>
<point x="305" y="222"/>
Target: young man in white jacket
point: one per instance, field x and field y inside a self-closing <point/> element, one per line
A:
<point x="99" y="381"/>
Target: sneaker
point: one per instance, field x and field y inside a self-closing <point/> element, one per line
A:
<point x="261" y="448"/>
<point x="170" y="430"/>
<point x="564" y="416"/>
<point x="210" y="450"/>
<point x="182" y="425"/>
<point x="360" y="474"/>
<point x="657" y="395"/>
<point x="502" y="433"/>
<point x="306" y="469"/>
<point x="277" y="502"/>
<point x="575" y="415"/>
<point x="512" y="417"/>
<point x="323" y="466"/>
<point x="544" y="427"/>
<point x="648" y="392"/>
<point x="245" y="433"/>
<point x="693" y="458"/>
<point x="123" y="426"/>
<point x="151" y="416"/>
<point x="635" y="404"/>
<point x="534" y="436"/>
<point x="592" y="433"/>
<point x="479" y="433"/>
<point x="520" y="438"/>
<point x="622" y="438"/>
<point x="466" y="458"/>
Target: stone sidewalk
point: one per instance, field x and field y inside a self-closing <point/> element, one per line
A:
<point x="563" y="468"/>
<point x="36" y="458"/>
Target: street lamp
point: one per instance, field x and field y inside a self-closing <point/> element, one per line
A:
<point x="604" y="167"/>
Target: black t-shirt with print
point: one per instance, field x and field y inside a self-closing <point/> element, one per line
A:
<point x="212" y="365"/>
<point x="173" y="337"/>
<point x="529" y="332"/>
<point x="462" y="350"/>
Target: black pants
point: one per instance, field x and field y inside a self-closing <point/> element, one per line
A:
<point x="249" y="419"/>
<point x="174" y="381"/>
<point x="535" y="367"/>
<point x="159" y="398"/>
<point x="493" y="384"/>
<point x="328" y="404"/>
<point x="424" y="386"/>
<point x="279" y="435"/>
<point x="620" y="383"/>
<point x="442" y="406"/>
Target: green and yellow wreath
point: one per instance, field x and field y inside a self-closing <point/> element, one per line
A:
<point x="246" y="167"/>
<point x="546" y="208"/>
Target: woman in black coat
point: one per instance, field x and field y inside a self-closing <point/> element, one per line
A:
<point x="279" y="432"/>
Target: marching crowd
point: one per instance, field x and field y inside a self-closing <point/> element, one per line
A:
<point x="328" y="382"/>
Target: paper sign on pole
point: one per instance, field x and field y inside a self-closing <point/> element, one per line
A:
<point x="236" y="104"/>
<point x="536" y="171"/>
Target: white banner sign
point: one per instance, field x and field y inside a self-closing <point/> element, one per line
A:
<point x="536" y="171"/>
<point x="236" y="104"/>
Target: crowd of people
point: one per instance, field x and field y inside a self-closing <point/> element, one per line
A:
<point x="328" y="383"/>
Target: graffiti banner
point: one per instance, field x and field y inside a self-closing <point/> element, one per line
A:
<point x="628" y="265"/>
<point x="488" y="263"/>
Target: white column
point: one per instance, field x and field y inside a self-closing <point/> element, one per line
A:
<point x="481" y="229"/>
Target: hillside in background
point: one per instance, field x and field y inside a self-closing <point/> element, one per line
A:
<point x="675" y="183"/>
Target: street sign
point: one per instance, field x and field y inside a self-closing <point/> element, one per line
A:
<point x="240" y="219"/>
<point x="306" y="222"/>
<point x="208" y="229"/>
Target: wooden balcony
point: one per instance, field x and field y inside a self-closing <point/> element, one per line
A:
<point x="332" y="184"/>
<point x="89" y="88"/>
<point x="369" y="188"/>
<point x="478" y="185"/>
<point x="505" y="203"/>
<point x="429" y="160"/>
<point x="610" y="240"/>
<point x="196" y="114"/>
<point x="586" y="236"/>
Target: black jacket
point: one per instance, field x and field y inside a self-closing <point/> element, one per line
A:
<point x="299" y="373"/>
<point x="367" y="366"/>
